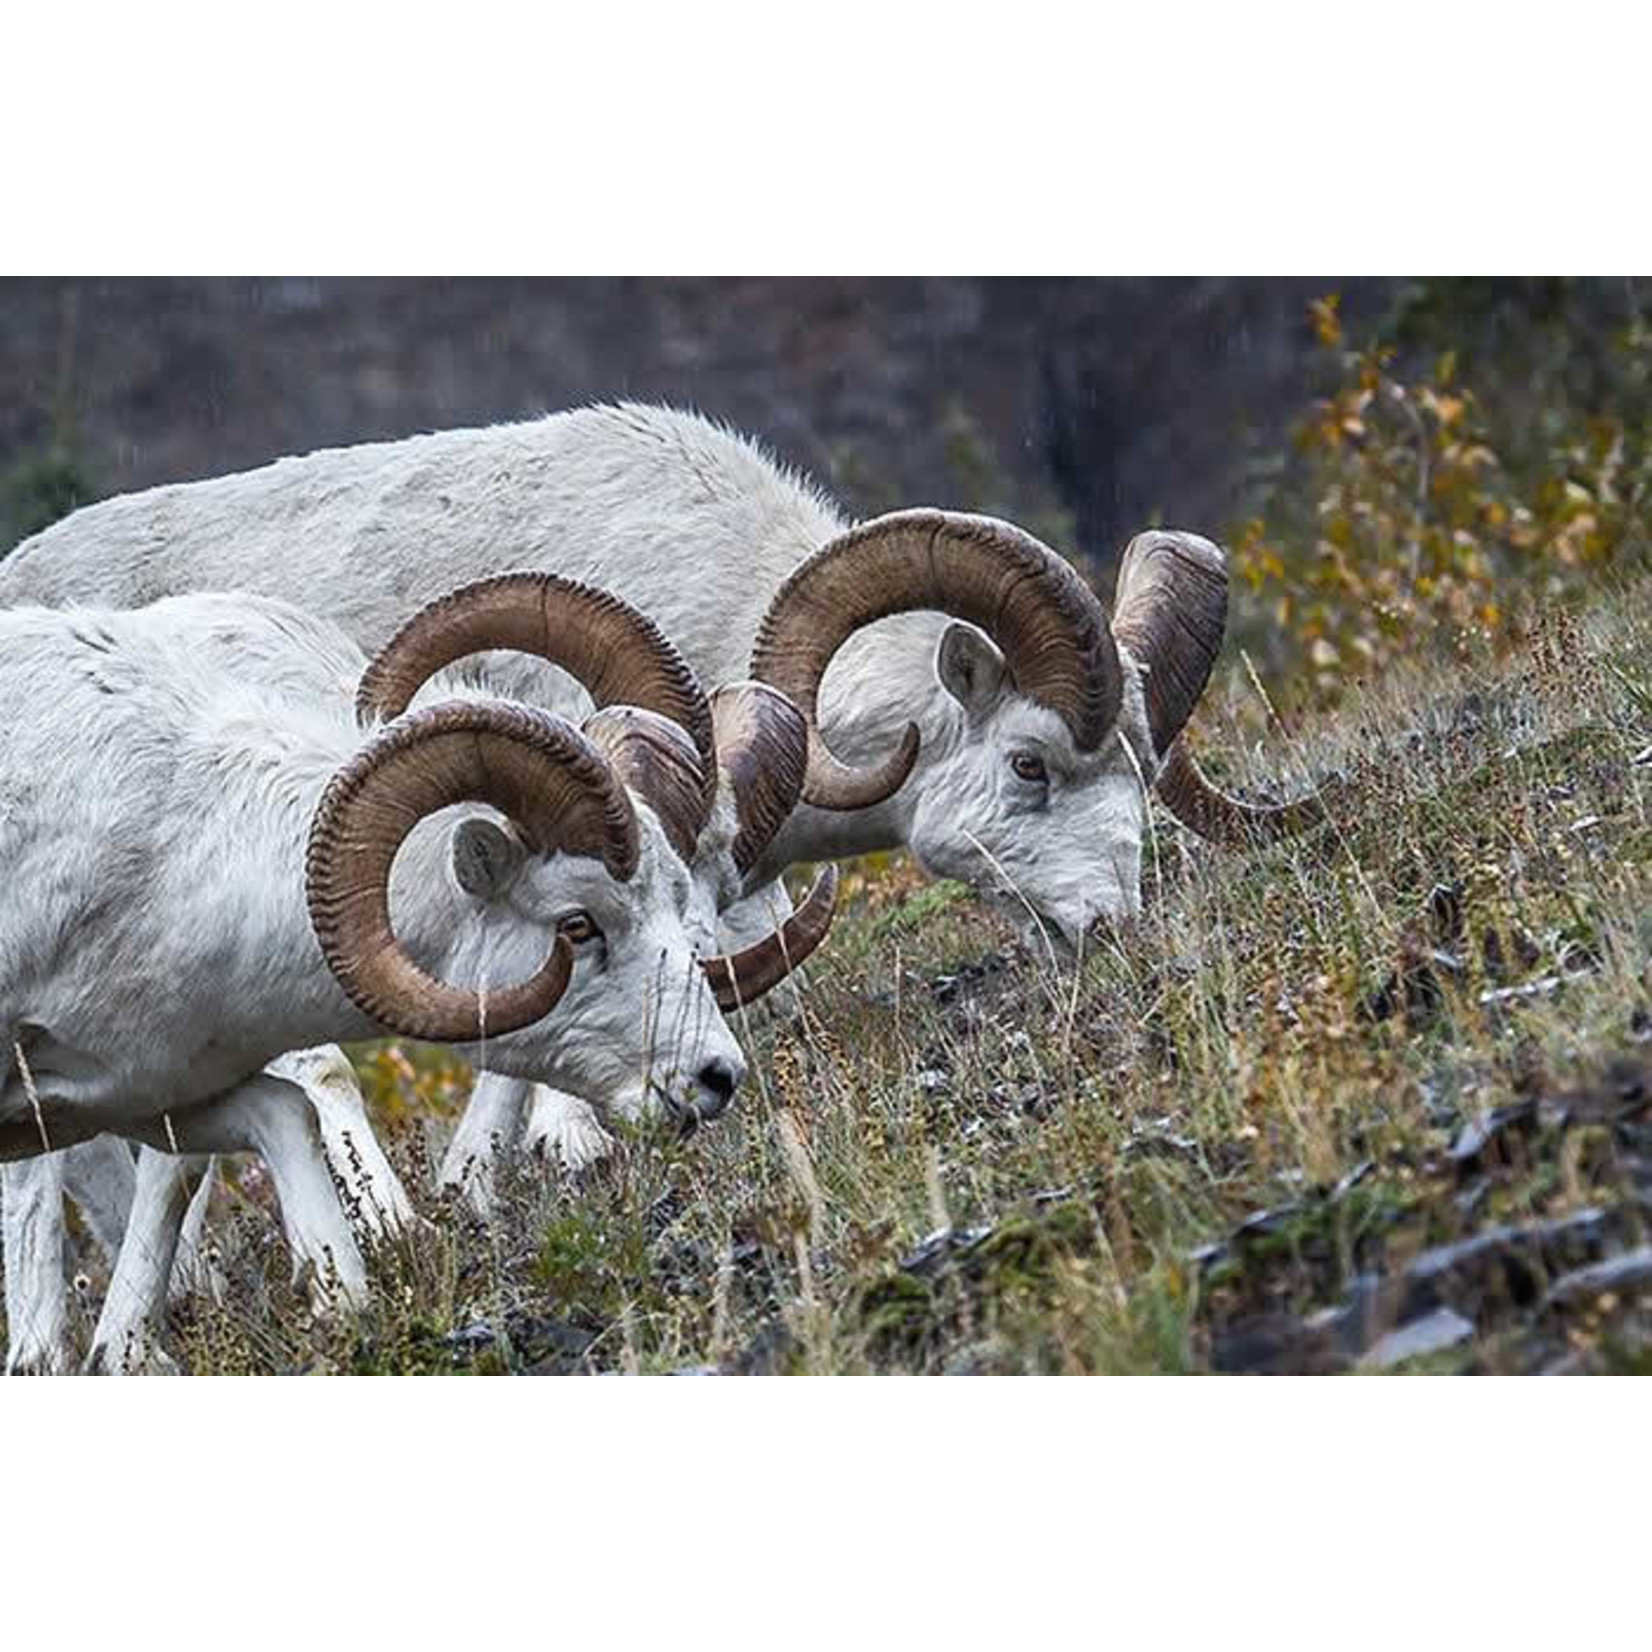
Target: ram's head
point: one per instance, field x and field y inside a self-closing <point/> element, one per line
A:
<point x="1053" y="721"/>
<point x="595" y="866"/>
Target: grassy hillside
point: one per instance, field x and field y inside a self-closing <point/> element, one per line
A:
<point x="1380" y="1097"/>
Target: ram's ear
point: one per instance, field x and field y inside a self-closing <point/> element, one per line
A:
<point x="487" y="858"/>
<point x="970" y="668"/>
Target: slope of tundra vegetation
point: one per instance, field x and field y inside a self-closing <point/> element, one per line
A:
<point x="1376" y="1098"/>
<point x="1379" y="1098"/>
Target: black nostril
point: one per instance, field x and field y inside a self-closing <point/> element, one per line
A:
<point x="719" y="1078"/>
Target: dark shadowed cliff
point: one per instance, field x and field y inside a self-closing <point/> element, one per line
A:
<point x="1086" y="407"/>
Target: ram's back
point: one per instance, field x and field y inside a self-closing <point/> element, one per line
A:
<point x="684" y="519"/>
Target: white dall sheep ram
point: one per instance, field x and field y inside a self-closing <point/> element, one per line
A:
<point x="967" y="695"/>
<point x="156" y="824"/>
<point x="747" y="737"/>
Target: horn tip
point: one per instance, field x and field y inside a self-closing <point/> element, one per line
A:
<point x="841" y="787"/>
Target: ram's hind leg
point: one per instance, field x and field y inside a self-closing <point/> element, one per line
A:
<point x="37" y="1302"/>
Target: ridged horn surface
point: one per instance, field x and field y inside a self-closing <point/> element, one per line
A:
<point x="1046" y="621"/>
<point x="543" y="775"/>
<point x="743" y="977"/>
<point x="1213" y="814"/>
<point x="1170" y="612"/>
<point x="656" y="759"/>
<point x="619" y="655"/>
<point x="763" y="754"/>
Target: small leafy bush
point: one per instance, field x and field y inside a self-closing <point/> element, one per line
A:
<point x="37" y="491"/>
<point x="1409" y="523"/>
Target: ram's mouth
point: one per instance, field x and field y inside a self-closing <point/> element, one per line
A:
<point x="684" y="1117"/>
<point x="1040" y="934"/>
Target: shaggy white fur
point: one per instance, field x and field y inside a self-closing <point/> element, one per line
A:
<point x="155" y="951"/>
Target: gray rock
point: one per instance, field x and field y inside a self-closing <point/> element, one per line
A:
<point x="1444" y="1328"/>
<point x="1629" y="1272"/>
<point x="1479" y="1133"/>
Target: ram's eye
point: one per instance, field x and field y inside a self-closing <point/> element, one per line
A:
<point x="578" y="926"/>
<point x="1029" y="768"/>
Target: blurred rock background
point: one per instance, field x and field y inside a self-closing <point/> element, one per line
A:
<point x="1084" y="408"/>
<point x="1090" y="406"/>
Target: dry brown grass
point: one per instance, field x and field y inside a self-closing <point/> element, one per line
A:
<point x="954" y="1161"/>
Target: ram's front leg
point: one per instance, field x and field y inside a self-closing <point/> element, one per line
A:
<point x="128" y="1335"/>
<point x="271" y="1116"/>
<point x="563" y="1126"/>
<point x="490" y="1128"/>
<point x="372" y="1189"/>
<point x="37" y="1302"/>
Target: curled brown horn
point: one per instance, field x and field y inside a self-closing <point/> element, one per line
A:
<point x="1170" y="611"/>
<point x="1213" y="814"/>
<point x="1046" y="621"/>
<point x="544" y="776"/>
<point x="619" y="655"/>
<point x="762" y="752"/>
<point x="656" y="759"/>
<point x="743" y="977"/>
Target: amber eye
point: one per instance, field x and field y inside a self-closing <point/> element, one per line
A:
<point x="578" y="926"/>
<point x="1029" y="768"/>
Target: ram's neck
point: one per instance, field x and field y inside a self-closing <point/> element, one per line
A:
<point x="311" y="1007"/>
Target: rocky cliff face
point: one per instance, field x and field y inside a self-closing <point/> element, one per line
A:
<point x="1084" y="407"/>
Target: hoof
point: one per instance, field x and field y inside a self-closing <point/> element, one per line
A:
<point x="577" y="1143"/>
<point x="136" y="1355"/>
